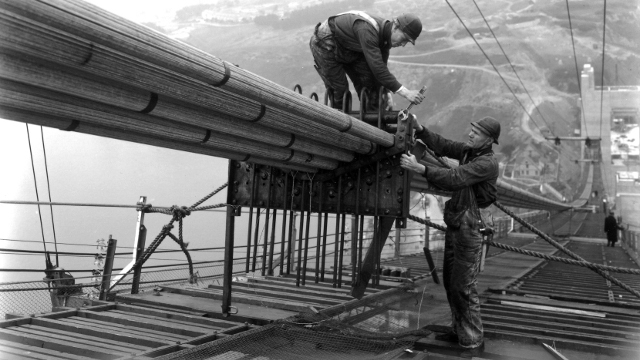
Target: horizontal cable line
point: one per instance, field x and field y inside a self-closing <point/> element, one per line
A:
<point x="19" y="202"/>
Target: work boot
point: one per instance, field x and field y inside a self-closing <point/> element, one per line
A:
<point x="448" y="337"/>
<point x="472" y="352"/>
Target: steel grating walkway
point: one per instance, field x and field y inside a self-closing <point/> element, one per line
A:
<point x="571" y="306"/>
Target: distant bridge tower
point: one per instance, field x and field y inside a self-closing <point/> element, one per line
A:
<point x="620" y="110"/>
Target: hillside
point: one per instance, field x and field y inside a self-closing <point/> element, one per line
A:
<point x="462" y="84"/>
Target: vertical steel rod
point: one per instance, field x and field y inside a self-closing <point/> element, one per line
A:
<point x="108" y="268"/>
<point x="251" y="201"/>
<point x="291" y="226"/>
<point x="300" y="235"/>
<point x="318" y="233"/>
<point x="265" y="243"/>
<point x="284" y="223"/>
<point x="306" y="240"/>
<point x="360" y="241"/>
<point x="138" y="245"/>
<point x="344" y="219"/>
<point x="228" y="261"/>
<point x="273" y="240"/>
<point x="354" y="242"/>
<point x="255" y="239"/>
<point x="336" y="246"/>
<point x="324" y="246"/>
<point x="376" y="274"/>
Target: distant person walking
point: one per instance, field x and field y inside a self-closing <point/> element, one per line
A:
<point x="357" y="44"/>
<point x="611" y="229"/>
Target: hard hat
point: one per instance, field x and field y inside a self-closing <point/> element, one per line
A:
<point x="488" y="126"/>
<point x="410" y="25"/>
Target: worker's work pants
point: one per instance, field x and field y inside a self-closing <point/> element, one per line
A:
<point x="334" y="63"/>
<point x="462" y="252"/>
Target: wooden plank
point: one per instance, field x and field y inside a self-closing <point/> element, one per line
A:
<point x="176" y="316"/>
<point x="15" y="322"/>
<point x="178" y="323"/>
<point x="143" y="323"/>
<point x="150" y="334"/>
<point x="108" y="345"/>
<point x="299" y="296"/>
<point x="35" y="352"/>
<point x="137" y="339"/>
<point x="553" y="309"/>
<point x="253" y="300"/>
<point x="302" y="290"/>
<point x="63" y="346"/>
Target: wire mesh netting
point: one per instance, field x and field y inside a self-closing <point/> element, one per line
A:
<point x="375" y="327"/>
<point x="34" y="297"/>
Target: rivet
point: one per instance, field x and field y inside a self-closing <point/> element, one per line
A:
<point x="386" y="212"/>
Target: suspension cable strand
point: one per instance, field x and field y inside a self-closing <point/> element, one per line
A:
<point x="575" y="59"/>
<point x="46" y="169"/>
<point x="589" y="265"/>
<point x="512" y="67"/>
<point x="35" y="183"/>
<point x="494" y="67"/>
<point x="565" y="250"/>
<point x="604" y="52"/>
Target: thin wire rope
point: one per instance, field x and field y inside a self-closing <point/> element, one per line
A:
<point x="604" y="52"/>
<point x="512" y="67"/>
<point x="46" y="169"/>
<point x="494" y="67"/>
<point x="35" y="184"/>
<point x="575" y="59"/>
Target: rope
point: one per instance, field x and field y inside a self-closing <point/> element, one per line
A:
<point x="35" y="183"/>
<point x="589" y="265"/>
<point x="604" y="52"/>
<point x="575" y="59"/>
<point x="178" y="213"/>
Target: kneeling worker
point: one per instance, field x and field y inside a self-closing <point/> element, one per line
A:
<point x="357" y="44"/>
<point x="474" y="188"/>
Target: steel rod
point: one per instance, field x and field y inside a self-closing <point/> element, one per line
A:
<point x="341" y="249"/>
<point x="273" y="241"/>
<point x="324" y="246"/>
<point x="318" y="233"/>
<point x="256" y="237"/>
<point x="337" y="249"/>
<point x="284" y="223"/>
<point x="265" y="243"/>
<point x="300" y="234"/>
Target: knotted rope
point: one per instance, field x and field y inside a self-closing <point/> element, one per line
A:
<point x="178" y="213"/>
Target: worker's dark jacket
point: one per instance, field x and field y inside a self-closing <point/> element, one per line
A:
<point x="611" y="228"/>
<point x="356" y="34"/>
<point x="478" y="170"/>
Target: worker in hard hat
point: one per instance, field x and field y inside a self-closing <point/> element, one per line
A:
<point x="474" y="188"/>
<point x="357" y="44"/>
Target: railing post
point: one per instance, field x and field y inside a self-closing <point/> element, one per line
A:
<point x="108" y="268"/>
<point x="139" y="244"/>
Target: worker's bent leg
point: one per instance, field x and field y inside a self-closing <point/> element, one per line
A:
<point x="360" y="74"/>
<point x="331" y="72"/>
<point x="467" y="246"/>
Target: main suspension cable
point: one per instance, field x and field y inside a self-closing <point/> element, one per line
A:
<point x="604" y="52"/>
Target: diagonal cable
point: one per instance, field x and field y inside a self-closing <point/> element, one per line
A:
<point x="604" y="52"/>
<point x="512" y="67"/>
<point x="494" y="67"/>
<point x="46" y="168"/>
<point x="35" y="183"/>
<point x="575" y="59"/>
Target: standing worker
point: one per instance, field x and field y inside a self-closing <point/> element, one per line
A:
<point x="357" y="44"/>
<point x="467" y="219"/>
<point x="611" y="229"/>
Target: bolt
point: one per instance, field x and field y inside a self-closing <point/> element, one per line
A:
<point x="401" y="172"/>
<point x="388" y="173"/>
<point x="234" y="201"/>
<point x="401" y="128"/>
<point x="264" y="175"/>
<point x="386" y="212"/>
<point x="369" y="180"/>
<point x="399" y="213"/>
<point x="400" y="191"/>
<point x="400" y="199"/>
<point x="261" y="203"/>
<point x="366" y="210"/>
<point x="236" y="191"/>
<point x="400" y="137"/>
<point x="236" y="182"/>
<point x="238" y="165"/>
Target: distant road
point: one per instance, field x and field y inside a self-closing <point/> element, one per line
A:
<point x="467" y="67"/>
<point x="431" y="52"/>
